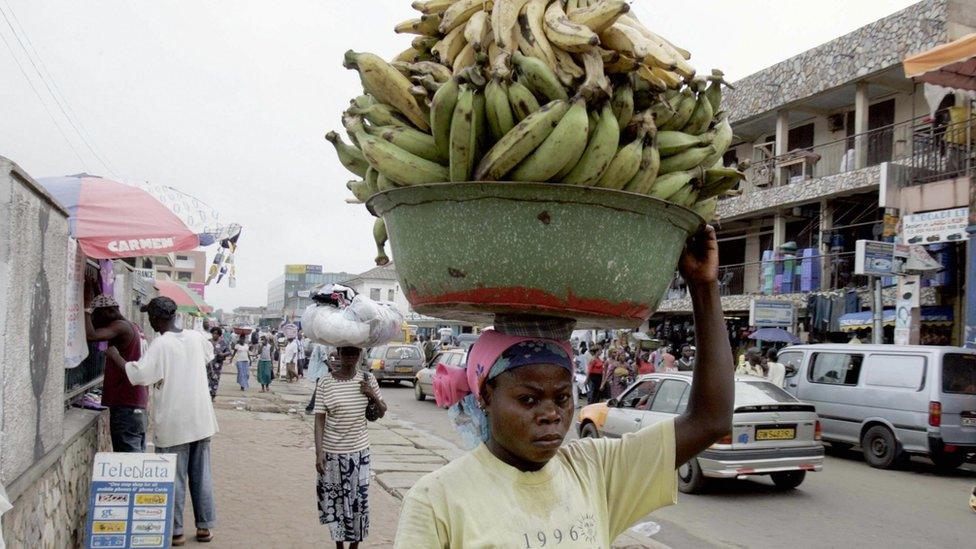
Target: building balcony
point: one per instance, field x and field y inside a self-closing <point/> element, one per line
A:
<point x="917" y="151"/>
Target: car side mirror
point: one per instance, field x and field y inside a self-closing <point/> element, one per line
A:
<point x="612" y="403"/>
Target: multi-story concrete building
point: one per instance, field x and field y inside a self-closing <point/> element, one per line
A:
<point x="289" y="294"/>
<point x="380" y="284"/>
<point x="842" y="146"/>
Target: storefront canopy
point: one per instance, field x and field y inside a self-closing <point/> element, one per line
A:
<point x="951" y="65"/>
<point x="187" y="300"/>
<point x="939" y="316"/>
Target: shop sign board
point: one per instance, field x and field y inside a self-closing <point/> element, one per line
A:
<point x="772" y="314"/>
<point x="296" y="269"/>
<point x="131" y="502"/>
<point x="934" y="227"/>
<point x="873" y="258"/>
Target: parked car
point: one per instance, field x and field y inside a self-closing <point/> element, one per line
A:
<point x="893" y="400"/>
<point x="394" y="362"/>
<point x="424" y="384"/>
<point x="773" y="433"/>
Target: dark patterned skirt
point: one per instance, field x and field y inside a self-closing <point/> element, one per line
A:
<point x="343" y="493"/>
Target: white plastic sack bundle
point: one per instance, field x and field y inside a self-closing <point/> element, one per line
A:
<point x="364" y="323"/>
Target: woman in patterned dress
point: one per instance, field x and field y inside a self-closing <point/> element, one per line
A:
<point x="342" y="448"/>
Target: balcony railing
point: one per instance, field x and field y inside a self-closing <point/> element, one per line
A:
<point x="943" y="152"/>
<point x="733" y="277"/>
<point x="885" y="144"/>
<point x="934" y="151"/>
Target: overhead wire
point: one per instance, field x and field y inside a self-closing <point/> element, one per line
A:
<point x="37" y="94"/>
<point x="51" y="85"/>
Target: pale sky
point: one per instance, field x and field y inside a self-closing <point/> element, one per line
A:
<point x="229" y="100"/>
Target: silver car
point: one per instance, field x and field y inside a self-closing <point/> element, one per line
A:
<point x="773" y="433"/>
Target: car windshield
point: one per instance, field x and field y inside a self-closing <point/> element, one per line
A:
<point x="759" y="393"/>
<point x="959" y="374"/>
<point x="403" y="352"/>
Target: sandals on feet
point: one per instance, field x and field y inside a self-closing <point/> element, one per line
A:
<point x="206" y="537"/>
<point x="178" y="541"/>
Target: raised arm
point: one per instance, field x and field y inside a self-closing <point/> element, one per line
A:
<point x="708" y="416"/>
<point x="105" y="333"/>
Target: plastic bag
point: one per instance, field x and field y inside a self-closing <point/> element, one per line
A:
<point x="364" y="323"/>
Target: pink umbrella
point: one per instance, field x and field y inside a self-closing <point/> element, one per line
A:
<point x="111" y="220"/>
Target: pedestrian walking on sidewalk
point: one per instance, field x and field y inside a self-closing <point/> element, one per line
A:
<point x="265" y="364"/>
<point x="342" y="448"/>
<point x="216" y="366"/>
<point x="318" y="365"/>
<point x="183" y="416"/>
<point x="242" y="359"/>
<point x="126" y="402"/>
<point x="290" y="359"/>
<point x="522" y="487"/>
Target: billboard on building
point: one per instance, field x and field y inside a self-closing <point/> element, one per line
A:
<point x="772" y="314"/>
<point x="933" y="227"/>
<point x="296" y="269"/>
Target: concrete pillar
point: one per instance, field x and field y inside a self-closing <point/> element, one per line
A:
<point x="782" y="142"/>
<point x="861" y="104"/>
<point x="826" y="224"/>
<point x="969" y="329"/>
<point x="779" y="231"/>
<point x="753" y="255"/>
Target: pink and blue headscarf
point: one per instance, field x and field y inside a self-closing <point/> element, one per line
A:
<point x="493" y="354"/>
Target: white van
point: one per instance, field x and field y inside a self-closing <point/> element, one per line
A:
<point x="893" y="400"/>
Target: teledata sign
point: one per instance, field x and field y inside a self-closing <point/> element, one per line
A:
<point x="131" y="501"/>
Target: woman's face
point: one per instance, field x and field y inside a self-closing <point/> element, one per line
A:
<point x="529" y="410"/>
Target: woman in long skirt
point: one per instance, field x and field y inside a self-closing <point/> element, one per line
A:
<point x="242" y="359"/>
<point x="264" y="365"/>
<point x="342" y="448"/>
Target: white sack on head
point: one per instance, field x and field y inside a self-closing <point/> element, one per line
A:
<point x="364" y="323"/>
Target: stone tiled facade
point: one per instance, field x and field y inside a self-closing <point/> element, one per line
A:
<point x="52" y="511"/>
<point x="756" y="200"/>
<point x="867" y="50"/>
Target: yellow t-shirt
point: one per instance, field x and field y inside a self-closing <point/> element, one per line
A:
<point x="590" y="492"/>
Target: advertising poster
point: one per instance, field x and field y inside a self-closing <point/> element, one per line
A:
<point x="131" y="502"/>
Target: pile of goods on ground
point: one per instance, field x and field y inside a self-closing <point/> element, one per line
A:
<point x="575" y="92"/>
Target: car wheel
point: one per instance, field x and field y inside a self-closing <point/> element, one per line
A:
<point x="880" y="447"/>
<point x="418" y="393"/>
<point x="947" y="462"/>
<point x="691" y="480"/>
<point x="788" y="480"/>
<point x="589" y="431"/>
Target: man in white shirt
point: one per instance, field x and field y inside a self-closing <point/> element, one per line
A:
<point x="183" y="416"/>
<point x="775" y="372"/>
<point x="290" y="359"/>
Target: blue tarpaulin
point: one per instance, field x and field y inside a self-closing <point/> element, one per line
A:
<point x="864" y="320"/>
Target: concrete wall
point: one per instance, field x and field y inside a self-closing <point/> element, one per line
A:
<point x="364" y="286"/>
<point x="33" y="263"/>
<point x="50" y="508"/>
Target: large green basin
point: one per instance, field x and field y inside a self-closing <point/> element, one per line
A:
<point x="466" y="251"/>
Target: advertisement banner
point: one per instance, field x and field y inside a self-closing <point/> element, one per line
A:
<point x="296" y="269"/>
<point x="131" y="503"/>
<point x="76" y="344"/>
<point x="772" y="314"/>
<point x="933" y="227"/>
<point x="873" y="258"/>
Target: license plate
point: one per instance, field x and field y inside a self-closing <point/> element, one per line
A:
<point x="403" y="369"/>
<point x="969" y="422"/>
<point x="778" y="433"/>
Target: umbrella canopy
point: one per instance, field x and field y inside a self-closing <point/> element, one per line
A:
<point x="775" y="335"/>
<point x="187" y="300"/>
<point x="112" y="220"/>
<point x="951" y="65"/>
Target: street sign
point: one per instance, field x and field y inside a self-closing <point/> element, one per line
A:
<point x="939" y="226"/>
<point x="873" y="258"/>
<point x="131" y="502"/>
<point x="772" y="314"/>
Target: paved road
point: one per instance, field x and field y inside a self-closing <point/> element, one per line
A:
<point x="848" y="503"/>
